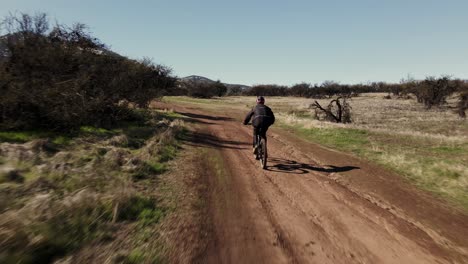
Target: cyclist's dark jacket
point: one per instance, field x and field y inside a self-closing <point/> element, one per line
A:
<point x="261" y="115"/>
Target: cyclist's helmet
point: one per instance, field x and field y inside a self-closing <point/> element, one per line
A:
<point x="260" y="100"/>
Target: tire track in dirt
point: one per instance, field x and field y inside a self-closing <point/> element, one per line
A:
<point x="303" y="211"/>
<point x="426" y="217"/>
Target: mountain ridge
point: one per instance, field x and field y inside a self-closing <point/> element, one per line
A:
<point x="198" y="78"/>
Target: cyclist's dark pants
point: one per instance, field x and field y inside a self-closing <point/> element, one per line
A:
<point x="261" y="131"/>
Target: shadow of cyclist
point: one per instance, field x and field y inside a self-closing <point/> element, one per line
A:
<point x="294" y="167"/>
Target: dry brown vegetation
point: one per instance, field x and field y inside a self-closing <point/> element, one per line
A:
<point x="97" y="189"/>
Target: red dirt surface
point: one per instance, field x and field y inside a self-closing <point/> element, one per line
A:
<point x="315" y="205"/>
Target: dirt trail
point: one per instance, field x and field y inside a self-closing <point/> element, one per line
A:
<point x="315" y="205"/>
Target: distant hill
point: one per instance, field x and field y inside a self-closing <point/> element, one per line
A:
<point x="197" y="78"/>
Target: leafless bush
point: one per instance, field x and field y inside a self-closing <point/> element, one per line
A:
<point x="338" y="110"/>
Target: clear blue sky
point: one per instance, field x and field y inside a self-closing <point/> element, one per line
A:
<point x="284" y="42"/>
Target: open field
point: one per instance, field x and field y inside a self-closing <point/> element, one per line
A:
<point x="428" y="147"/>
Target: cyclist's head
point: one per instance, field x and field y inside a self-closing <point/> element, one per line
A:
<point x="260" y="100"/>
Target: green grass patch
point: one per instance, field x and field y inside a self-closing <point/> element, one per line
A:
<point x="450" y="149"/>
<point x="136" y="256"/>
<point x="167" y="153"/>
<point x="149" y="170"/>
<point x="344" y="139"/>
<point x="157" y="167"/>
<point x="96" y="131"/>
<point x="171" y="115"/>
<point x="62" y="140"/>
<point x="142" y="209"/>
<point x="434" y="166"/>
<point x="186" y="99"/>
<point x="18" y="136"/>
<point x="26" y="136"/>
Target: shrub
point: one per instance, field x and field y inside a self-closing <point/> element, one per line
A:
<point x="203" y="89"/>
<point x="64" y="78"/>
<point x="462" y="105"/>
<point x="433" y="92"/>
<point x="267" y="89"/>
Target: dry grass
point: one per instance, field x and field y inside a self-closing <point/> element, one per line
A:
<point x="84" y="192"/>
<point x="370" y="112"/>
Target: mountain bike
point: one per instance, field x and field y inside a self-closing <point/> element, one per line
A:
<point x="261" y="153"/>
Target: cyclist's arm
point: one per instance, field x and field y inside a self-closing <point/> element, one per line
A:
<point x="248" y="117"/>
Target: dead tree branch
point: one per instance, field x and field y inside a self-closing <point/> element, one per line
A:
<point x="338" y="110"/>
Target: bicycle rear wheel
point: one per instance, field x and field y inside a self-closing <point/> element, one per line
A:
<point x="263" y="153"/>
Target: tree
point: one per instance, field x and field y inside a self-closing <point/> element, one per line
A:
<point x="433" y="92"/>
<point x="220" y="88"/>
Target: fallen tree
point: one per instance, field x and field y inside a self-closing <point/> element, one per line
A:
<point x="338" y="111"/>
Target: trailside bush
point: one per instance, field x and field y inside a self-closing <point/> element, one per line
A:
<point x="203" y="89"/>
<point x="433" y="92"/>
<point x="462" y="105"/>
<point x="64" y="78"/>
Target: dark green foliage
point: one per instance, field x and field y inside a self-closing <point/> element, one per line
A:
<point x="267" y="89"/>
<point x="327" y="89"/>
<point x="233" y="90"/>
<point x="431" y="91"/>
<point x="201" y="89"/>
<point x="11" y="176"/>
<point x="64" y="78"/>
<point x="140" y="208"/>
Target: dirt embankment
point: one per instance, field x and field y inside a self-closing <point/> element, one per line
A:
<point x="314" y="205"/>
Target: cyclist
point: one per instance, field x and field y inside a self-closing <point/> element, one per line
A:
<point x="262" y="118"/>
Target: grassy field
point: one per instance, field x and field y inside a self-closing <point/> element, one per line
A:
<point x="427" y="147"/>
<point x="69" y="194"/>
